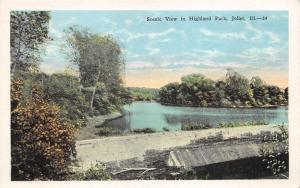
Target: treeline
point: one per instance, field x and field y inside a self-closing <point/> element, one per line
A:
<point x="234" y="90"/>
<point x="143" y="94"/>
<point x="47" y="109"/>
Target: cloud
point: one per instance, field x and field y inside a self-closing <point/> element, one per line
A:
<point x="128" y="22"/>
<point x="153" y="51"/>
<point x="151" y="35"/>
<point x="195" y="54"/>
<point x="274" y="38"/>
<point x="260" y="35"/>
<point x="257" y="33"/>
<point x="268" y="57"/>
<point x="139" y="65"/>
<point x="256" y="53"/>
<point x="209" y="53"/>
<point x="251" y="34"/>
<point x="106" y="21"/>
<point x="218" y="35"/>
<point x="165" y="40"/>
<point x="70" y="21"/>
<point x="130" y="54"/>
<point x="185" y="63"/>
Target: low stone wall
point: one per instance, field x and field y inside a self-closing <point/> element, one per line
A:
<point x="120" y="148"/>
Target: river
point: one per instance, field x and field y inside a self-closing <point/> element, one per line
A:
<point x="156" y="116"/>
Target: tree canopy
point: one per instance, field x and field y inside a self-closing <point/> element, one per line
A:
<point x="28" y="31"/>
<point x="233" y="90"/>
<point x="100" y="62"/>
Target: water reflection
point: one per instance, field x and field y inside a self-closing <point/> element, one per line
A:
<point x="156" y="116"/>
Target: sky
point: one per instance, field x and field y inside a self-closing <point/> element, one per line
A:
<point x="159" y="52"/>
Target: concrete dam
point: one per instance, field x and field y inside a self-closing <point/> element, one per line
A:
<point x="172" y="153"/>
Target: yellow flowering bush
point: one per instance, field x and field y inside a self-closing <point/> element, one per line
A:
<point x="42" y="145"/>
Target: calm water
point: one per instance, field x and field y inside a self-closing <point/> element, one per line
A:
<point x="156" y="116"/>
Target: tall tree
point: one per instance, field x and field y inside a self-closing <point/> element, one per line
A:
<point x="237" y="86"/>
<point x="99" y="59"/>
<point x="28" y="31"/>
<point x="256" y="82"/>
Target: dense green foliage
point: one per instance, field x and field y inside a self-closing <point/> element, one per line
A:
<point x="143" y="94"/>
<point x="100" y="63"/>
<point x="108" y="131"/>
<point x="47" y="109"/>
<point x="193" y="126"/>
<point x="144" y="130"/>
<point x="42" y="145"/>
<point x="234" y="90"/>
<point x="275" y="150"/>
<point x="59" y="89"/>
<point x="241" y="124"/>
<point x="95" y="172"/>
<point x="28" y="31"/>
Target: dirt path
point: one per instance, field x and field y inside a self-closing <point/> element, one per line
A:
<point x="125" y="147"/>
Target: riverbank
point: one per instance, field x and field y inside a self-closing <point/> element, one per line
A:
<point x="89" y="131"/>
<point x="233" y="106"/>
<point x="118" y="148"/>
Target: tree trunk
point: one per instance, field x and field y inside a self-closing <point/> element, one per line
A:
<point x="94" y="91"/>
<point x="92" y="99"/>
<point x="80" y="85"/>
<point x="19" y="49"/>
<point x="43" y="82"/>
<point x="13" y="70"/>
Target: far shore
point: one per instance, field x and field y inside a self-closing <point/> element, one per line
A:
<point x="169" y="104"/>
<point x="263" y="106"/>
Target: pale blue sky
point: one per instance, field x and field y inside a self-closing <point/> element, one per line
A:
<point x="176" y="48"/>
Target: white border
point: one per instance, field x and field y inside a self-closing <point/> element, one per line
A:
<point x="293" y="6"/>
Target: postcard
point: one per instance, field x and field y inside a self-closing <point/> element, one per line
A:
<point x="130" y="94"/>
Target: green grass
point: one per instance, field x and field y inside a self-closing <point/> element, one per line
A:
<point x="144" y="130"/>
<point x="241" y="124"/>
<point x="194" y="126"/>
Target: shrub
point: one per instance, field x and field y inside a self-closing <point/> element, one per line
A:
<point x="107" y="131"/>
<point x="194" y="126"/>
<point x="95" y="172"/>
<point x="144" y="130"/>
<point x="63" y="90"/>
<point x="42" y="146"/>
<point x="241" y="124"/>
<point x="166" y="129"/>
<point x="203" y="103"/>
<point x="274" y="151"/>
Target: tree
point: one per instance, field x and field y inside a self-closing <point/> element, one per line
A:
<point x="99" y="59"/>
<point x="28" y="31"/>
<point x="63" y="90"/>
<point x="42" y="146"/>
<point x="169" y="93"/>
<point x="276" y="95"/>
<point x="260" y="91"/>
<point x="256" y="82"/>
<point x="286" y="94"/>
<point x="237" y="86"/>
<point x="200" y="89"/>
<point x="234" y="90"/>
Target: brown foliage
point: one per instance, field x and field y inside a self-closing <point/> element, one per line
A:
<point x="42" y="145"/>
